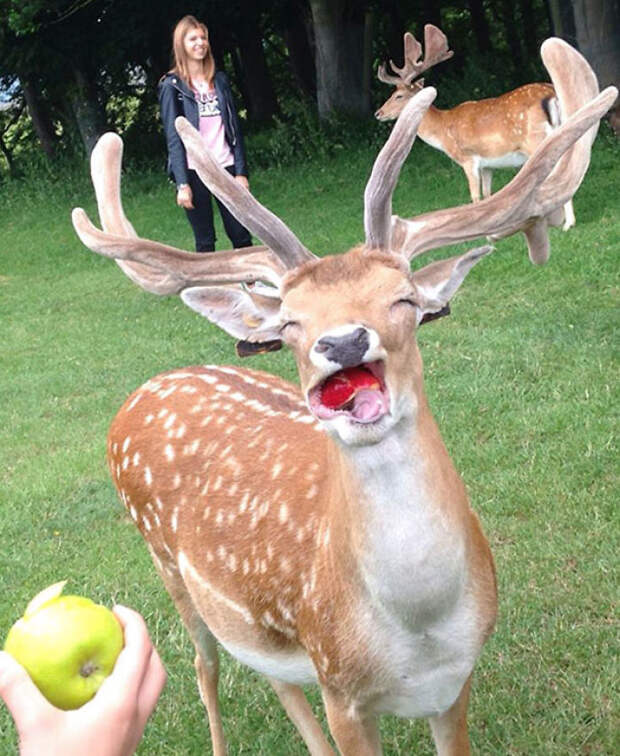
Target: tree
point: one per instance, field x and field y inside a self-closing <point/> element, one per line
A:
<point x="597" y="23"/>
<point x="339" y="40"/>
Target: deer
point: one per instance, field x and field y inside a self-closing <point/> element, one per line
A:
<point x="320" y="532"/>
<point x="478" y="135"/>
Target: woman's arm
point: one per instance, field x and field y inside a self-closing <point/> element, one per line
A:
<point x="169" y="110"/>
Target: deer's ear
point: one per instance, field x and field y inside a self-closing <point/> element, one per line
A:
<point x="438" y="282"/>
<point x="241" y="313"/>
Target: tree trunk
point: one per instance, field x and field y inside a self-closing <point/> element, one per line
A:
<point x="4" y="149"/>
<point x="86" y="109"/>
<point x="480" y="25"/>
<point x="597" y="26"/>
<point x="39" y="115"/>
<point x="296" y="35"/>
<point x="261" y="99"/>
<point x="367" y="58"/>
<point x="563" y="20"/>
<point x="339" y="37"/>
<point x="395" y="30"/>
<point x="432" y="13"/>
<point x="510" y="27"/>
<point x="532" y="37"/>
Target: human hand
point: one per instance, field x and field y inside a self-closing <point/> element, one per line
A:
<point x="111" y="724"/>
<point x="243" y="180"/>
<point x="184" y="197"/>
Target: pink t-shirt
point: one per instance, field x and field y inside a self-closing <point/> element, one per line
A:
<point x="212" y="127"/>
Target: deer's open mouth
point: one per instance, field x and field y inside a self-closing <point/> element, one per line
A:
<point x="358" y="392"/>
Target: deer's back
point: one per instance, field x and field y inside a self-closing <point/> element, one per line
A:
<point x="216" y="460"/>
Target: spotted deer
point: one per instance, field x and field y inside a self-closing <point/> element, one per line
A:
<point x="317" y="541"/>
<point x="478" y="135"/>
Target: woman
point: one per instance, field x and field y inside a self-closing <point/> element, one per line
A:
<point x="194" y="89"/>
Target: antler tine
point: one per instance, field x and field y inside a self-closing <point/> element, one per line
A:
<point x="542" y="186"/>
<point x="386" y="169"/>
<point x="105" y="170"/>
<point x="410" y="69"/>
<point x="387" y="78"/>
<point x="170" y="270"/>
<point x="435" y="51"/>
<point x="157" y="267"/>
<point x="572" y="91"/>
<point x="435" y="47"/>
<point x="260" y="221"/>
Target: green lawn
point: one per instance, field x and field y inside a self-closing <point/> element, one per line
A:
<point x="522" y="379"/>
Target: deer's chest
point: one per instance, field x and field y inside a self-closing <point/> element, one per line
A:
<point x="420" y="624"/>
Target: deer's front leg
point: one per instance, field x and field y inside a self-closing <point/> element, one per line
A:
<point x="487" y="178"/>
<point x="450" y="729"/>
<point x="472" y="171"/>
<point x="299" y="711"/>
<point x="355" y="735"/>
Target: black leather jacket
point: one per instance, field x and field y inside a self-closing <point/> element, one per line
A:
<point x="177" y="99"/>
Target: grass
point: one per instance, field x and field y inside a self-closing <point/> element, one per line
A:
<point x="520" y="377"/>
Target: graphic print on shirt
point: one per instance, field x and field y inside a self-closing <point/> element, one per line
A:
<point x="208" y="106"/>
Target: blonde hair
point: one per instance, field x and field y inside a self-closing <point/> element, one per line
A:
<point x="181" y="68"/>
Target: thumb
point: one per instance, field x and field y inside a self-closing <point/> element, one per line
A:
<point x="19" y="693"/>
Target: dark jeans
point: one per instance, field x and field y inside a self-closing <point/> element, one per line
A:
<point x="201" y="218"/>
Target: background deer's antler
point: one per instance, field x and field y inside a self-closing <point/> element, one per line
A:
<point x="545" y="183"/>
<point x="435" y="51"/>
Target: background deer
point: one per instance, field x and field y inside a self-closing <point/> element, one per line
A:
<point x="479" y="135"/>
<point x="321" y="533"/>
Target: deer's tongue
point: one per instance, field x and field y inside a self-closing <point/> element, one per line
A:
<point x="368" y="405"/>
<point x="355" y="389"/>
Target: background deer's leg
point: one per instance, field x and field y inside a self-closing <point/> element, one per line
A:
<point x="472" y="171"/>
<point x="299" y="711"/>
<point x="354" y="735"/>
<point x="569" y="216"/>
<point x="450" y="729"/>
<point x="487" y="177"/>
<point x="206" y="661"/>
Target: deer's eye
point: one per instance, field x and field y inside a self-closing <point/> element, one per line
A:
<point x="403" y="306"/>
<point x="410" y="301"/>
<point x="289" y="327"/>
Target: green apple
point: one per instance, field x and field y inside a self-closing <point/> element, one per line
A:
<point x="68" y="645"/>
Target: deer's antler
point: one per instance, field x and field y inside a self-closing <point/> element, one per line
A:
<point x="545" y="183"/>
<point x="435" y="51"/>
<point x="260" y="221"/>
<point x="386" y="169"/>
<point x="162" y="269"/>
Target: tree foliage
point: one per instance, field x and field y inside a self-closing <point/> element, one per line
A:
<point x="73" y="68"/>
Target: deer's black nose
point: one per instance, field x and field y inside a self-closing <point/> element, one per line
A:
<point x="347" y="350"/>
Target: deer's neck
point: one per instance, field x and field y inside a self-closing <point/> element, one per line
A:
<point x="403" y="520"/>
<point x="432" y="127"/>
